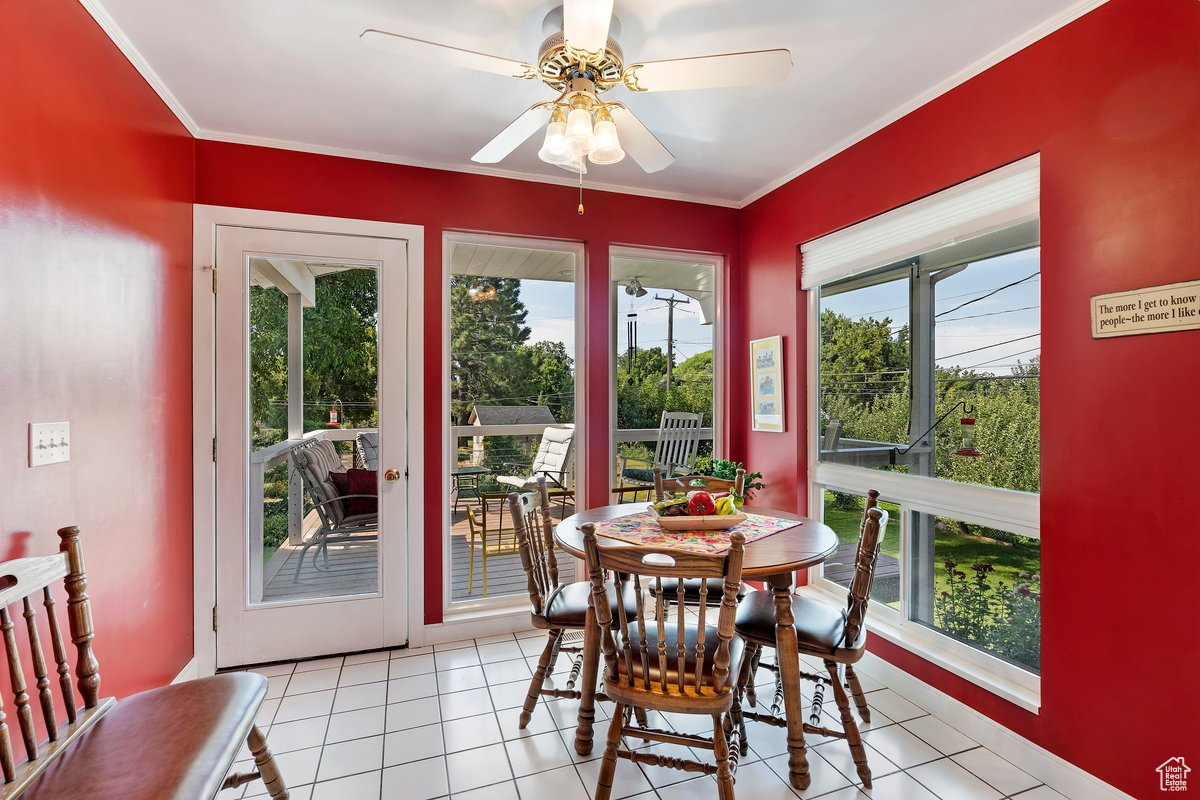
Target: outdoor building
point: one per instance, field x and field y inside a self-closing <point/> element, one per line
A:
<point x="366" y="343"/>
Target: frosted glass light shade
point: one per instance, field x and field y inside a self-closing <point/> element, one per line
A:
<point x="580" y="139"/>
<point x="608" y="146"/>
<point x="554" y="148"/>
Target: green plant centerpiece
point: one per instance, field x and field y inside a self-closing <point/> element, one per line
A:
<point x="727" y="470"/>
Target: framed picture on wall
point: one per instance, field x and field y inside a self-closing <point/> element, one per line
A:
<point x="766" y="383"/>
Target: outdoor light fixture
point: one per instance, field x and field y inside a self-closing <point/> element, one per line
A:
<point x="481" y="292"/>
<point x="966" y="424"/>
<point x="634" y="288"/>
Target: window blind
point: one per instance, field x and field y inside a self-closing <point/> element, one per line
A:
<point x="998" y="199"/>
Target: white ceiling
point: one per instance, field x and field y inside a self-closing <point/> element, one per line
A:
<point x="293" y="73"/>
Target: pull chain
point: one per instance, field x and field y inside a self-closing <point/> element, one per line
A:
<point x="581" y="187"/>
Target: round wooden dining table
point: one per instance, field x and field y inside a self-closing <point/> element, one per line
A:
<point x="774" y="559"/>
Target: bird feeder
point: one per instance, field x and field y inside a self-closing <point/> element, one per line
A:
<point x="967" y="427"/>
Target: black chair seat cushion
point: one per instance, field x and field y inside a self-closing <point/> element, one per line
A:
<point x="172" y="743"/>
<point x="691" y="590"/>
<point x="568" y="608"/>
<point x="819" y="627"/>
<point x="736" y="649"/>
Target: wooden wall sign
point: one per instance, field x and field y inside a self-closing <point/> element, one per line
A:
<point x="1155" y="309"/>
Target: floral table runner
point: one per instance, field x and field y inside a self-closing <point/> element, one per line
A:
<point x="643" y="531"/>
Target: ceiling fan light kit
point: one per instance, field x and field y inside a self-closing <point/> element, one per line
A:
<point x="581" y="61"/>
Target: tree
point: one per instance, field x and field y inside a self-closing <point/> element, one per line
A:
<point x="543" y="374"/>
<point x="340" y="351"/>
<point x="484" y="337"/>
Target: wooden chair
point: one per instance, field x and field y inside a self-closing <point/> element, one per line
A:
<point x="175" y="741"/>
<point x="836" y="636"/>
<point x="490" y="540"/>
<point x="560" y="609"/>
<point x="552" y="461"/>
<point x="664" y="485"/>
<point x="654" y="663"/>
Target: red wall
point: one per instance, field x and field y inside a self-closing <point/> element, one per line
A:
<point x="96" y="185"/>
<point x="279" y="180"/>
<point x="1112" y="103"/>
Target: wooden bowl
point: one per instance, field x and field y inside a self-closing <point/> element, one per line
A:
<point x="711" y="522"/>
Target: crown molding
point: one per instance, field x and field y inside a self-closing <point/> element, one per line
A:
<point x="386" y="158"/>
<point x="127" y="48"/>
<point x="987" y="62"/>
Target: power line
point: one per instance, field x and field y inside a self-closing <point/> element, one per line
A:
<point x="989" y="294"/>
<point x="990" y="314"/>
<point x="987" y="347"/>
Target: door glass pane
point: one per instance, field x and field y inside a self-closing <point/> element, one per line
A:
<point x="843" y="511"/>
<point x="979" y="585"/>
<point x="314" y="518"/>
<point x="512" y="404"/>
<point x="664" y="361"/>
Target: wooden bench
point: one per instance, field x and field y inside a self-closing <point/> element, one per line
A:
<point x="173" y="743"/>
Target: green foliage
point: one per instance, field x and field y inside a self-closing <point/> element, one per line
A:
<point x="865" y="384"/>
<point x="727" y="470"/>
<point x="340" y="351"/>
<point x="1005" y="619"/>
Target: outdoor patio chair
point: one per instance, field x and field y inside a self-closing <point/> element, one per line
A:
<point x="315" y="460"/>
<point x="674" y="453"/>
<point x="836" y="636"/>
<point x="490" y="538"/>
<point x="366" y="450"/>
<point x="552" y="460"/>
<point x="681" y="665"/>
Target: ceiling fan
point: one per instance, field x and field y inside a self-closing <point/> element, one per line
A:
<point x="581" y="61"/>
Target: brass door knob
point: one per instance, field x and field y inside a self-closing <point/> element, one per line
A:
<point x="392" y="475"/>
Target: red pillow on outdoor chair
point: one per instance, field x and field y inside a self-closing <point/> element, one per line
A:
<point x="358" y="481"/>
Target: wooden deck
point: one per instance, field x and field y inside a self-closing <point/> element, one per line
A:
<point x="839" y="568"/>
<point x="353" y="566"/>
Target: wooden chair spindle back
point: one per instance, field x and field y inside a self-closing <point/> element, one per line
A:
<point x="535" y="540"/>
<point x="626" y="647"/>
<point x="24" y="579"/>
<point x="665" y="484"/>
<point x="864" y="572"/>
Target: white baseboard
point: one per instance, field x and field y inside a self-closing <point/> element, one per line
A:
<point x="1056" y="772"/>
<point x="190" y="672"/>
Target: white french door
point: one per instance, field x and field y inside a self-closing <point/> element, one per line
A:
<point x="310" y="351"/>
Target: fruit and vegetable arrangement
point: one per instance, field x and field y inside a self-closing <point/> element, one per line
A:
<point x="697" y="504"/>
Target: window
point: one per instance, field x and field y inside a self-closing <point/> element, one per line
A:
<point x="925" y="383"/>
<point x="511" y="400"/>
<point x="665" y="357"/>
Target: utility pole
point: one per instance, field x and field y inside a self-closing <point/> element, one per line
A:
<point x="671" y="302"/>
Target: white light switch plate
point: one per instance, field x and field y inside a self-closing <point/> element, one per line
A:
<point x="49" y="443"/>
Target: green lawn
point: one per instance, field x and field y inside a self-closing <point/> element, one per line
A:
<point x="1009" y="559"/>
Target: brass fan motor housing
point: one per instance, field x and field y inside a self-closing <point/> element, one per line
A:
<point x="559" y="64"/>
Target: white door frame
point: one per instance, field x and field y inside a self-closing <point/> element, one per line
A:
<point x="205" y="221"/>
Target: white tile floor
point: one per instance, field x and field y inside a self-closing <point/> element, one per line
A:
<point x="442" y="722"/>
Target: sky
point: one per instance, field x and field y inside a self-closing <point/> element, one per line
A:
<point x="982" y="322"/>
<point x="551" y="318"/>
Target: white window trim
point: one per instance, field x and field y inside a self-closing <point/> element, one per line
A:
<point x="863" y="247"/>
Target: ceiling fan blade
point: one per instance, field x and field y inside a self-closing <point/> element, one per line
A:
<point x="444" y="54"/>
<point x="710" y="72"/>
<point x="585" y="23"/>
<point x="512" y="137"/>
<point x="639" y="143"/>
